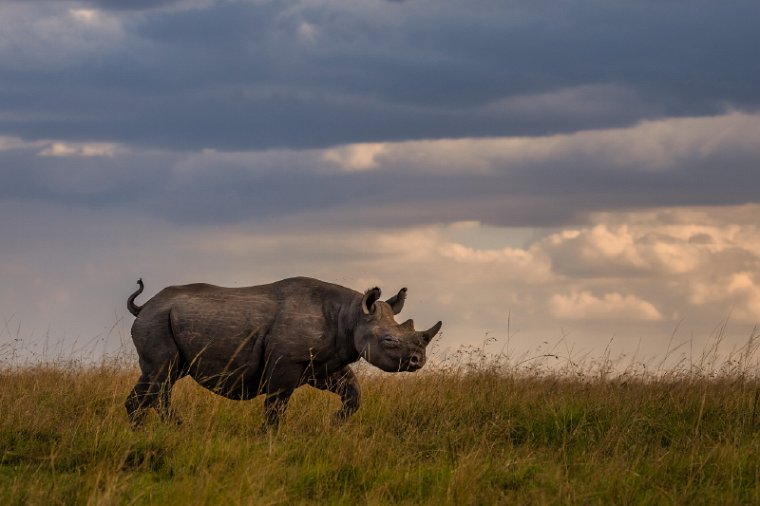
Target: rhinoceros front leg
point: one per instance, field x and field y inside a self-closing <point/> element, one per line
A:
<point x="274" y="407"/>
<point x="345" y="384"/>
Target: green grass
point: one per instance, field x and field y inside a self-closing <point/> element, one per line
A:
<point x="483" y="433"/>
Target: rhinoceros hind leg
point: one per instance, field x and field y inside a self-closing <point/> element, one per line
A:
<point x="138" y="401"/>
<point x="165" y="411"/>
<point x="278" y="385"/>
<point x="153" y="391"/>
<point x="274" y="407"/>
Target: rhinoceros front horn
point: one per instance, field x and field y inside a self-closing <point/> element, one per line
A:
<point x="429" y="334"/>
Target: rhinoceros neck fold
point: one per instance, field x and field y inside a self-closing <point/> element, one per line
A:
<point x="345" y="320"/>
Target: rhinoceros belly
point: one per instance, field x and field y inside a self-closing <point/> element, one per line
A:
<point x="221" y="341"/>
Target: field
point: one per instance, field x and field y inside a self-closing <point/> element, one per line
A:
<point x="478" y="430"/>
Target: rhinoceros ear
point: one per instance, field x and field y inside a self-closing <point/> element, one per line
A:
<point x="397" y="301"/>
<point x="368" y="301"/>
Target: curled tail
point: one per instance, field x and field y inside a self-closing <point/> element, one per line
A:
<point x="134" y="308"/>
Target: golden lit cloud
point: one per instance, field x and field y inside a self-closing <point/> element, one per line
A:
<point x="356" y="157"/>
<point x="584" y="305"/>
<point x="63" y="149"/>
<point x="649" y="146"/>
<point x="84" y="15"/>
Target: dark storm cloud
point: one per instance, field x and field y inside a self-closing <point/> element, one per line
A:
<point x="539" y="182"/>
<point x="116" y="5"/>
<point x="255" y="75"/>
<point x="119" y="5"/>
<point x="164" y="81"/>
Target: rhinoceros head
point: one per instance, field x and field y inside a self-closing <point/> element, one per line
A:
<point x="383" y="342"/>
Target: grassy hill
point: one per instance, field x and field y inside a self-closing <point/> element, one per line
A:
<point x="480" y="433"/>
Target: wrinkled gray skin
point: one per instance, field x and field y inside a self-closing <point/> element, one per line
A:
<point x="268" y="339"/>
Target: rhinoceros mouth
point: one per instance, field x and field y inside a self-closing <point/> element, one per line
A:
<point x="402" y="366"/>
<point x="412" y="364"/>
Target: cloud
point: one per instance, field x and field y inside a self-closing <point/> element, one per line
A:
<point x="356" y="157"/>
<point x="649" y="146"/>
<point x="15" y="143"/>
<point x="554" y="180"/>
<point x="117" y="5"/>
<point x="526" y="265"/>
<point x="87" y="16"/>
<point x="610" y="306"/>
<point x="641" y="249"/>
<point x="62" y="149"/>
<point x="710" y="261"/>
<point x="565" y="104"/>
<point x="51" y="37"/>
<point x="307" y="32"/>
<point x="299" y="74"/>
<point x="741" y="288"/>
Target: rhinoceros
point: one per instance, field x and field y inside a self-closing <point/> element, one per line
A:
<point x="268" y="339"/>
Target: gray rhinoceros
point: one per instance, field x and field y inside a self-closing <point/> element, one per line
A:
<point x="268" y="339"/>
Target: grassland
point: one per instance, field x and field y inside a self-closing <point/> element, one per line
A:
<point x="480" y="432"/>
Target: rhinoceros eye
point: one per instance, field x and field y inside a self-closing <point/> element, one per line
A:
<point x="390" y="342"/>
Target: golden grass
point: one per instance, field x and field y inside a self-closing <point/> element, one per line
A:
<point x="480" y="430"/>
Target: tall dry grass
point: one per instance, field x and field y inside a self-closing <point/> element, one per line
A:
<point x="480" y="429"/>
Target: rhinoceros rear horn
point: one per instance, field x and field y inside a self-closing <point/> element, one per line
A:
<point x="369" y="299"/>
<point x="429" y="334"/>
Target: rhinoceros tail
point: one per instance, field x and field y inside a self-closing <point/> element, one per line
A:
<point x="134" y="308"/>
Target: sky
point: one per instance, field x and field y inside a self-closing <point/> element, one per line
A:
<point x="577" y="176"/>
